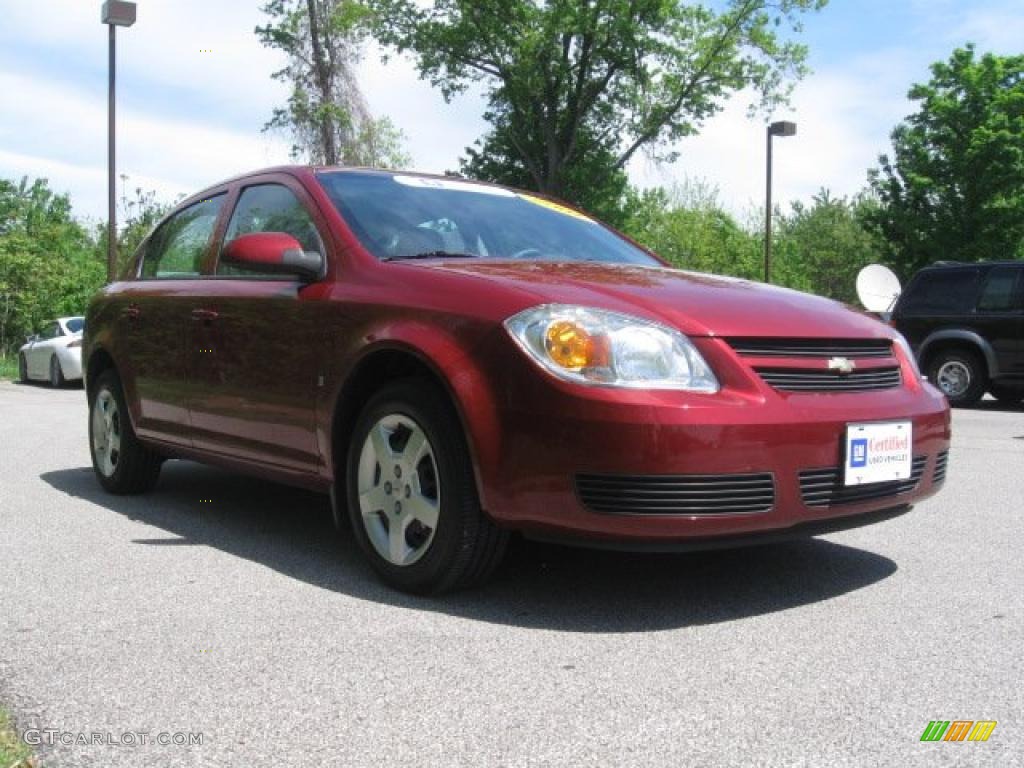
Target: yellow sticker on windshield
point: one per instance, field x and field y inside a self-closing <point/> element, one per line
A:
<point x="556" y="207"/>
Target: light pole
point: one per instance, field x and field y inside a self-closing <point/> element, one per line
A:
<point x="780" y="128"/>
<point x="114" y="14"/>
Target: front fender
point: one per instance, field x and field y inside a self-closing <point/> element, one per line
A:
<point x="447" y="351"/>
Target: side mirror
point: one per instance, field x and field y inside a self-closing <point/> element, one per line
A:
<point x="32" y="338"/>
<point x="273" y="252"/>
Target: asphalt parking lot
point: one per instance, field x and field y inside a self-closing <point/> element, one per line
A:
<point x="226" y="607"/>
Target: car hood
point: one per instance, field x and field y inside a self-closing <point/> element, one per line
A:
<point x="695" y="303"/>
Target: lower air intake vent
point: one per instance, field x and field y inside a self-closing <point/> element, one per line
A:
<point x="824" y="487"/>
<point x="941" y="462"/>
<point x="677" y="494"/>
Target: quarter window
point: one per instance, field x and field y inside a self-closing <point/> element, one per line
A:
<point x="1002" y="290"/>
<point x="270" y="208"/>
<point x="177" y="248"/>
<point x="943" y="292"/>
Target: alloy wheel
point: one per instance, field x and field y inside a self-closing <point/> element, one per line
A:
<point x="953" y="378"/>
<point x="106" y="432"/>
<point x="399" y="489"/>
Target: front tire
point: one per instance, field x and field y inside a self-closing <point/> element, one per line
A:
<point x="22" y="369"/>
<point x="57" y="379"/>
<point x="121" y="463"/>
<point x="412" y="496"/>
<point x="960" y="375"/>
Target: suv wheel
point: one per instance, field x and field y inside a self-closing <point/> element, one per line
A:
<point x="1007" y="394"/>
<point x="959" y="374"/>
<point x="412" y="494"/>
<point x="122" y="464"/>
<point x="22" y="369"/>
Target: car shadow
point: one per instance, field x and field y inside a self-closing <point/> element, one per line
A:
<point x="539" y="585"/>
<point x="994" y="405"/>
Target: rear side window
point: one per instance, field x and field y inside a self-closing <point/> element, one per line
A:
<point x="270" y="208"/>
<point x="1002" y="290"/>
<point x="176" y="249"/>
<point x="942" y="292"/>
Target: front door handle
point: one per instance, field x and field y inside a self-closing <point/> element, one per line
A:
<point x="205" y="314"/>
<point x="131" y="312"/>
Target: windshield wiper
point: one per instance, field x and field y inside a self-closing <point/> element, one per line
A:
<point x="432" y="255"/>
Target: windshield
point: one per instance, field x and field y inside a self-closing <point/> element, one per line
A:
<point x="396" y="216"/>
<point x="75" y="324"/>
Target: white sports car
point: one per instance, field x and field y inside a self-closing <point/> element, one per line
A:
<point x="55" y="355"/>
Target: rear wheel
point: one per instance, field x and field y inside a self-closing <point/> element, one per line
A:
<point x="22" y="369"/>
<point x="960" y="374"/>
<point x="412" y="495"/>
<point x="56" y="373"/>
<point x="122" y="464"/>
<point x="1006" y="393"/>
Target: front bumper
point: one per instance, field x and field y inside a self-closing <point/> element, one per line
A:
<point x="552" y="433"/>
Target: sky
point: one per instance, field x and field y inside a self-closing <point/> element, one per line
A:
<point x="194" y="91"/>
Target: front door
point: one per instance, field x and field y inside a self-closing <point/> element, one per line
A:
<point x="256" y="342"/>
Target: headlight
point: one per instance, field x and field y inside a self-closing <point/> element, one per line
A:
<point x="903" y="344"/>
<point x="594" y="346"/>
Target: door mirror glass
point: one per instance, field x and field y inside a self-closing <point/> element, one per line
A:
<point x="273" y="252"/>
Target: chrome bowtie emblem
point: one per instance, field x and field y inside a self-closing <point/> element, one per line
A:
<point x="842" y="364"/>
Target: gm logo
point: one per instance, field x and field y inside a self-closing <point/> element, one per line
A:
<point x="958" y="730"/>
<point x="859" y="452"/>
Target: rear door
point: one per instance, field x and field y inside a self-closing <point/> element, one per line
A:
<point x="256" y="341"/>
<point x="1000" y="317"/>
<point x="154" y="321"/>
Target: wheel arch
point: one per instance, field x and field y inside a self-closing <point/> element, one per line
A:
<point x="99" y="361"/>
<point x="958" y="338"/>
<point x="437" y="361"/>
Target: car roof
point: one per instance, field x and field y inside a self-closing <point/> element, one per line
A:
<point x="978" y="264"/>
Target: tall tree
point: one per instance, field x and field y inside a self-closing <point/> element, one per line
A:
<point x="568" y="81"/>
<point x="48" y="265"/>
<point x="953" y="187"/>
<point x="326" y="115"/>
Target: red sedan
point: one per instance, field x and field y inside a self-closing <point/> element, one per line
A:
<point x="454" y="361"/>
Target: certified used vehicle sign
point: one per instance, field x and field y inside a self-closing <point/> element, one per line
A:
<point x="877" y="453"/>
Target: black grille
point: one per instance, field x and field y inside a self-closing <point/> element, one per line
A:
<point x="941" y="462"/>
<point x="824" y="487"/>
<point x="852" y="348"/>
<point x="806" y="380"/>
<point x="677" y="494"/>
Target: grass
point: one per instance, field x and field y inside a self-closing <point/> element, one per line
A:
<point x="14" y="753"/>
<point x="8" y="370"/>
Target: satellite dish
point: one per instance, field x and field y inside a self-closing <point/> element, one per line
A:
<point x="877" y="288"/>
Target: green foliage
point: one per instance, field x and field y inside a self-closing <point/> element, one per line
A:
<point x="817" y="248"/>
<point x="48" y="264"/>
<point x="688" y="227"/>
<point x="954" y="185"/>
<point x="576" y="87"/>
<point x="820" y="248"/>
<point x="326" y="114"/>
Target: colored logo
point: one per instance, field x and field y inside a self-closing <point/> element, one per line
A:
<point x="958" y="730"/>
<point x="859" y="452"/>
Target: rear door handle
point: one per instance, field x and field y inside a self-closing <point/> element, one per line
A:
<point x="131" y="312"/>
<point x="205" y="314"/>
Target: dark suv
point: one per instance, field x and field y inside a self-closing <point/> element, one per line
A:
<point x="966" y="324"/>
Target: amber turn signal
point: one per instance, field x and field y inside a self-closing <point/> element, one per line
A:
<point x="571" y="347"/>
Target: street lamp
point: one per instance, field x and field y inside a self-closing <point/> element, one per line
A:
<point x="114" y="14"/>
<point x="780" y="128"/>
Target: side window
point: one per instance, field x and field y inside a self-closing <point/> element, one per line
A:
<point x="177" y="248"/>
<point x="943" y="292"/>
<point x="270" y="208"/>
<point x="1002" y="290"/>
